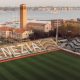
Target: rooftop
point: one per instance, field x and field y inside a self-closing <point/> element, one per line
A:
<point x="32" y="23"/>
<point x="6" y="28"/>
<point x="19" y="30"/>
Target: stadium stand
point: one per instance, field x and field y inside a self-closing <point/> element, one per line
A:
<point x="73" y="45"/>
<point x="49" y="44"/>
<point x="28" y="48"/>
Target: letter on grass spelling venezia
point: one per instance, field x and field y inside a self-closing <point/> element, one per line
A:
<point x="23" y="49"/>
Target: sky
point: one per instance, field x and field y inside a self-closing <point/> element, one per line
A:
<point x="5" y="3"/>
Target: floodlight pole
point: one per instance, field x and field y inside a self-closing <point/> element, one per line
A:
<point x="57" y="32"/>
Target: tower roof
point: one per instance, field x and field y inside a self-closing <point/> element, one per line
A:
<point x="23" y="5"/>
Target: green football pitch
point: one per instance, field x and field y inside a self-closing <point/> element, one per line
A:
<point x="56" y="65"/>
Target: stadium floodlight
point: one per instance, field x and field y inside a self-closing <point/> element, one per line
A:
<point x="57" y="32"/>
<point x="57" y="27"/>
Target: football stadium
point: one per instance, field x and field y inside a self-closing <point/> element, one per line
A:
<point x="50" y="63"/>
<point x="41" y="59"/>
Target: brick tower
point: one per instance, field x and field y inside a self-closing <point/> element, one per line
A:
<point x="23" y="16"/>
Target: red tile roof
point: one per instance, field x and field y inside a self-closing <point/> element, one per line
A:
<point x="19" y="30"/>
<point x="5" y="28"/>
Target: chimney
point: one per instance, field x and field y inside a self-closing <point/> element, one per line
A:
<point x="23" y="16"/>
